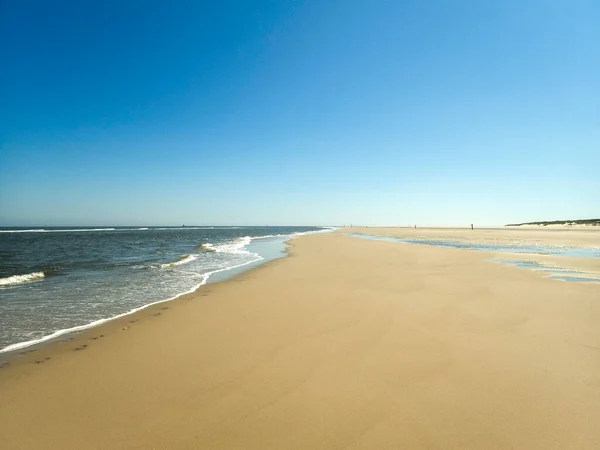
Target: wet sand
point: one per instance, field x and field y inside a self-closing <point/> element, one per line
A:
<point x="558" y="237"/>
<point x="347" y="343"/>
<point x="553" y="236"/>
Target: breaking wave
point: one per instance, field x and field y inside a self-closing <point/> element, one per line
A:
<point x="19" y="279"/>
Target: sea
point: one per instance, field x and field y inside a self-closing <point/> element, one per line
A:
<point x="55" y="281"/>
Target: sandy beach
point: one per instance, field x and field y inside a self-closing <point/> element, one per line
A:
<point x="345" y="344"/>
<point x="583" y="236"/>
<point x="553" y="237"/>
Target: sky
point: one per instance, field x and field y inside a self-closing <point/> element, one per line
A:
<point x="371" y="112"/>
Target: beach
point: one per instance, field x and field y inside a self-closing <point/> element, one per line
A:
<point x="557" y="236"/>
<point x="58" y="280"/>
<point x="346" y="343"/>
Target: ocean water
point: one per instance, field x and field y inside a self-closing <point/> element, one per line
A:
<point x="57" y="280"/>
<point x="552" y="271"/>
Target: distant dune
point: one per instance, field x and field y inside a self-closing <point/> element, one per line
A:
<point x="560" y="223"/>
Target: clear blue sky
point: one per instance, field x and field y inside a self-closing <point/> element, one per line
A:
<point x="299" y="112"/>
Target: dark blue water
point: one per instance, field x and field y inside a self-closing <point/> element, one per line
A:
<point x="54" y="279"/>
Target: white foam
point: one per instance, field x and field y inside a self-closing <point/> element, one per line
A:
<point x="58" y="333"/>
<point x="322" y="230"/>
<point x="79" y="230"/>
<point x="236" y="247"/>
<point x="41" y="230"/>
<point x="184" y="260"/>
<point x="18" y="279"/>
<point x="180" y="228"/>
<point x="299" y="233"/>
<point x="37" y="230"/>
<point x="269" y="236"/>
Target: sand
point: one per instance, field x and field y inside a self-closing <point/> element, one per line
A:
<point x="577" y="237"/>
<point x="347" y="343"/>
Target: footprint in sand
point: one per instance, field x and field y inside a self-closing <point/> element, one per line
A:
<point x="124" y="328"/>
<point x="27" y="351"/>
<point x="81" y="347"/>
<point x="157" y="314"/>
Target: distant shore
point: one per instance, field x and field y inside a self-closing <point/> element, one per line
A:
<point x="581" y="223"/>
<point x="348" y="343"/>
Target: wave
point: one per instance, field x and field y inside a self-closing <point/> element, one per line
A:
<point x="37" y="230"/>
<point x="235" y="247"/>
<point x="269" y="236"/>
<point x="55" y="334"/>
<point x="178" y="228"/>
<point x="79" y="230"/>
<point x="42" y="230"/>
<point x="296" y="234"/>
<point x="19" y="279"/>
<point x="238" y="245"/>
<point x="322" y="230"/>
<point x="183" y="260"/>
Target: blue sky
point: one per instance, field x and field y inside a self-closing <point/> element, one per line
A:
<point x="299" y="112"/>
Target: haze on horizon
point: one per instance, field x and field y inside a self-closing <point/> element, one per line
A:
<point x="304" y="113"/>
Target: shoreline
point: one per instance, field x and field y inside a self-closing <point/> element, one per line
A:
<point x="12" y="351"/>
<point x="345" y="343"/>
<point x="57" y="344"/>
<point x="17" y="350"/>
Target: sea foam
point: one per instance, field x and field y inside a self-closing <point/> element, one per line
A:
<point x="183" y="260"/>
<point x="234" y="247"/>
<point x="19" y="279"/>
<point x="42" y="230"/>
